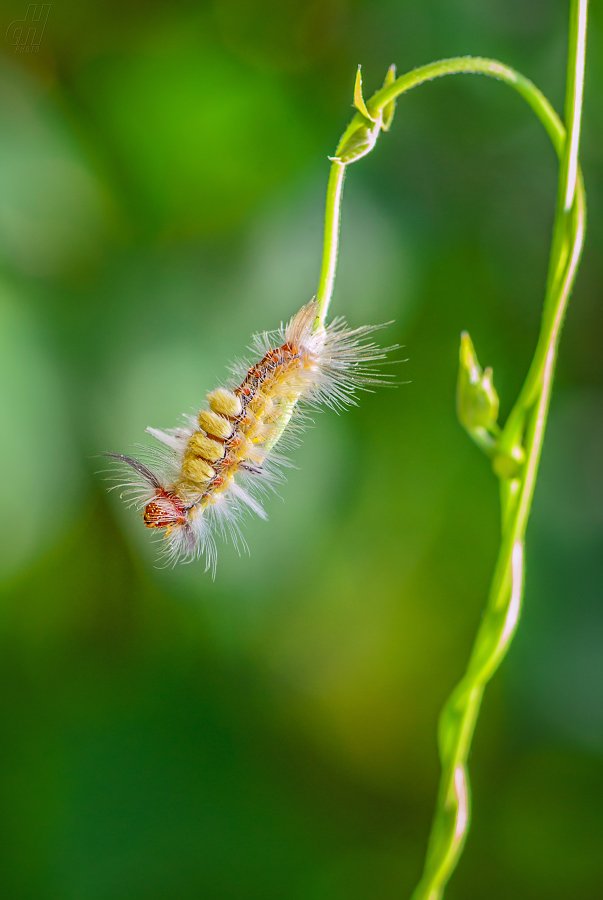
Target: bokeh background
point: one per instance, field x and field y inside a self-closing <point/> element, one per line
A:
<point x="271" y="734"/>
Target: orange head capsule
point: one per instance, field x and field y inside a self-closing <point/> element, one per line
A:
<point x="163" y="511"/>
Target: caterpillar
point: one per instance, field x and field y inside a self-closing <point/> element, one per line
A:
<point x="216" y="465"/>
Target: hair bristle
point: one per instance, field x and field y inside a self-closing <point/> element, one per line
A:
<point x="213" y="469"/>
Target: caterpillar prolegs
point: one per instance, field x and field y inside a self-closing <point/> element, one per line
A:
<point x="216" y="465"/>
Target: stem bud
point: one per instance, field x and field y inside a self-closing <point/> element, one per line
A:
<point x="508" y="465"/>
<point x="476" y="397"/>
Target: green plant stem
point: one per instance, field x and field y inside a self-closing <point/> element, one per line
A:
<point x="524" y="428"/>
<point x="331" y="240"/>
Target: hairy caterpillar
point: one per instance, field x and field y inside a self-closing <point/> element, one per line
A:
<point x="216" y="465"/>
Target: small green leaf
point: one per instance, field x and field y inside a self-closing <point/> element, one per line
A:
<point x="389" y="108"/>
<point x="359" y="99"/>
<point x="359" y="143"/>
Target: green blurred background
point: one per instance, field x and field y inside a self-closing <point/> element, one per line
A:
<point x="272" y="734"/>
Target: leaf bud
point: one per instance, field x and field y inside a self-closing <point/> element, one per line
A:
<point x="476" y="397"/>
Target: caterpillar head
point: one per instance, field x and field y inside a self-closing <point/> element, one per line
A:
<point x="164" y="511"/>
